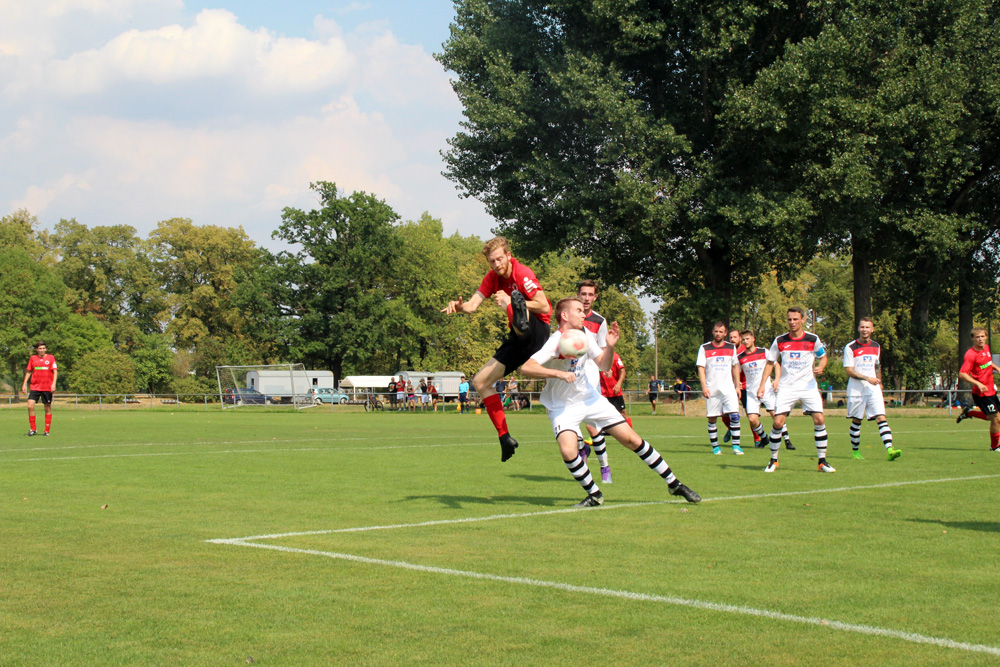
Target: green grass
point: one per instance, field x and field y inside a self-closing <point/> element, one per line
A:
<point x="903" y="547"/>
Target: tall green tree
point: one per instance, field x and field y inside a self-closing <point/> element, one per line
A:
<point x="596" y="126"/>
<point x="32" y="305"/>
<point x="340" y="276"/>
<point x="109" y="274"/>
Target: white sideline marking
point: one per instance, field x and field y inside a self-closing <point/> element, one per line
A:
<point x="613" y="506"/>
<point x="638" y="597"/>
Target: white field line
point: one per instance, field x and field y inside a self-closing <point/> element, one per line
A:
<point x="639" y="597"/>
<point x="613" y="506"/>
<point x="486" y="441"/>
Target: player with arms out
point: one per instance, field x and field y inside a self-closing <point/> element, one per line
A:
<point x="719" y="373"/>
<point x="753" y="359"/>
<point x="864" y="389"/>
<point x="515" y="289"/>
<point x="571" y="395"/>
<point x="803" y="358"/>
<point x="43" y="372"/>
<point x="977" y="369"/>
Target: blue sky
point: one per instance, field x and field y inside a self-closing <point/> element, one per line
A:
<point x="136" y="111"/>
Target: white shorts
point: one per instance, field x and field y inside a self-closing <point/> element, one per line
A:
<point x="869" y="402"/>
<point x="599" y="414"/>
<point x="425" y="398"/>
<point x="754" y="404"/>
<point x="724" y="403"/>
<point x="786" y="399"/>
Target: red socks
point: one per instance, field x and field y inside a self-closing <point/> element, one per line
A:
<point x="979" y="414"/>
<point x="31" y="423"/>
<point x="48" y="423"/>
<point x="994" y="440"/>
<point x="494" y="408"/>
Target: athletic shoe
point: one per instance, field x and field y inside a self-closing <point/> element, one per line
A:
<point x="715" y="450"/>
<point x="761" y="443"/>
<point x="593" y="500"/>
<point x="32" y="432"/>
<point x="756" y="438"/>
<point x="856" y="454"/>
<point x="772" y="466"/>
<point x="965" y="414"/>
<point x="585" y="452"/>
<point x="686" y="493"/>
<point x="826" y="467"/>
<point x="992" y="449"/>
<point x="44" y="433"/>
<point x="519" y="314"/>
<point x="507" y="446"/>
<point x="789" y="446"/>
<point x="737" y="450"/>
<point x="728" y="436"/>
<point x="892" y="454"/>
<point x="606" y="474"/>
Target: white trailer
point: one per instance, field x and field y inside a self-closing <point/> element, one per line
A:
<point x="286" y="384"/>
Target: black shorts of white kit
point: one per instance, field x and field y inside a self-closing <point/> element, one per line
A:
<point x="617" y="401"/>
<point x="988" y="404"/>
<point x="515" y="351"/>
<point x="43" y="396"/>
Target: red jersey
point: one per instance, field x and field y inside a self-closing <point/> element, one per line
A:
<point x="41" y="369"/>
<point x="610" y="379"/>
<point x="521" y="279"/>
<point x="977" y="364"/>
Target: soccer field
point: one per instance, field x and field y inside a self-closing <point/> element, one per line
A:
<point x="210" y="538"/>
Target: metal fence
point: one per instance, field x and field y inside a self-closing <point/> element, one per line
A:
<point x="669" y="402"/>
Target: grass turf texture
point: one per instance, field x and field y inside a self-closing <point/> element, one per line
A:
<point x="884" y="545"/>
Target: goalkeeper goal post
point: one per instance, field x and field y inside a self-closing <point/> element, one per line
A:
<point x="263" y="385"/>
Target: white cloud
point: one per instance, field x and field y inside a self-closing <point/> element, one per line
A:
<point x="205" y="118"/>
<point x="215" y="46"/>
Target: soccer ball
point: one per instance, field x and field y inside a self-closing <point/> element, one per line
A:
<point x="573" y="344"/>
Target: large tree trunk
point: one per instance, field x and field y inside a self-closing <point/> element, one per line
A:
<point x="965" y="320"/>
<point x="862" y="268"/>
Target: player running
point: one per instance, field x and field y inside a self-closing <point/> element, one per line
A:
<point x="803" y="358"/>
<point x="977" y="369"/>
<point x="571" y="396"/>
<point x="719" y="372"/>
<point x="43" y="371"/>
<point x="515" y="289"/>
<point x="864" y="389"/>
<point x="752" y="362"/>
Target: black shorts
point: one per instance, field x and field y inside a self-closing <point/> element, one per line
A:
<point x="44" y="396"/>
<point x="743" y="399"/>
<point x="618" y="402"/>
<point x="652" y="397"/>
<point x="515" y="351"/>
<point x="988" y="404"/>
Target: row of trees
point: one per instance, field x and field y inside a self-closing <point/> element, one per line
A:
<point x="710" y="149"/>
<point x="358" y="291"/>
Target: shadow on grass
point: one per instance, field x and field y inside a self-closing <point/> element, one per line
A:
<point x="984" y="526"/>
<point x="539" y="478"/>
<point x="460" y="502"/>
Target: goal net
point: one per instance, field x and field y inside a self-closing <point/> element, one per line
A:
<point x="264" y="385"/>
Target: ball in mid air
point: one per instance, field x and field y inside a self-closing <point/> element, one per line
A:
<point x="572" y="344"/>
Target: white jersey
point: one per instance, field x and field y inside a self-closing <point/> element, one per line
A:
<point x="718" y="363"/>
<point x="797" y="357"/>
<point x="864" y="359"/>
<point x="597" y="325"/>
<point x="558" y="393"/>
<point x="752" y="364"/>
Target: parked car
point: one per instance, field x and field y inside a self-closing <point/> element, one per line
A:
<point x="246" y="396"/>
<point x="327" y="395"/>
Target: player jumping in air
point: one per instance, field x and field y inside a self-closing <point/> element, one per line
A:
<point x="515" y="289"/>
<point x="977" y="369"/>
<point x="572" y="395"/>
